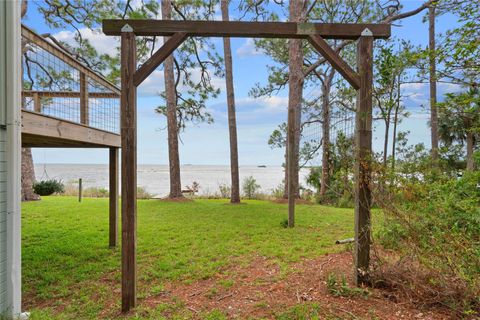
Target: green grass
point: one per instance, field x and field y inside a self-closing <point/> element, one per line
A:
<point x="69" y="271"/>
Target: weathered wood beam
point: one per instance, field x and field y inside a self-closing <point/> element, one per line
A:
<point x="40" y="130"/>
<point x="37" y="102"/>
<point x="70" y="94"/>
<point x="158" y="57"/>
<point x="113" y="197"/>
<point x="128" y="103"/>
<point x="335" y="60"/>
<point x="245" y="29"/>
<point x="84" y="112"/>
<point x="363" y="158"/>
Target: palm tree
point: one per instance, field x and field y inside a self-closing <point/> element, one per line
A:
<point x="459" y="121"/>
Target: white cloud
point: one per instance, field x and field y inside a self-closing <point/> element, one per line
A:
<point x="102" y="43"/>
<point x="249" y="49"/>
<point x="273" y="104"/>
<point x="153" y="85"/>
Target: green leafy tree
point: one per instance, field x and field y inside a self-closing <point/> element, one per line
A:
<point x="459" y="122"/>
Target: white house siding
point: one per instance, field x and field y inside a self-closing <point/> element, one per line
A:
<point x="3" y="222"/>
<point x="3" y="178"/>
<point x="10" y="143"/>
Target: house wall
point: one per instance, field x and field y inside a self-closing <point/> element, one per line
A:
<point x="3" y="164"/>
<point x="10" y="144"/>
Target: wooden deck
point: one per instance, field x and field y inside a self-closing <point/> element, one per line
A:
<point x="42" y="131"/>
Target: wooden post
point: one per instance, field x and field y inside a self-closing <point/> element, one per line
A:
<point x="80" y="190"/>
<point x="113" y="197"/>
<point x="37" y="103"/>
<point x="84" y="112"/>
<point x="363" y="154"/>
<point x="128" y="116"/>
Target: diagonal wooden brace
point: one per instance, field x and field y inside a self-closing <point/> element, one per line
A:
<point x="335" y="60"/>
<point x="158" y="57"/>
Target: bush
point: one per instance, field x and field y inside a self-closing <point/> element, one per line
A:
<point x="225" y="191"/>
<point x="279" y="191"/>
<point x="250" y="187"/>
<point x="48" y="187"/>
<point x="436" y="225"/>
<point x="340" y="288"/>
<point x="142" y="193"/>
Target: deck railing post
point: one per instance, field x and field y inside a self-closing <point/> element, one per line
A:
<point x="128" y="126"/>
<point x="84" y="107"/>
<point x="363" y="154"/>
<point x="37" y="103"/>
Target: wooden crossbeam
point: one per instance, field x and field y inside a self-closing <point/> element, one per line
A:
<point x="245" y="29"/>
<point x="158" y="57"/>
<point x="335" y="60"/>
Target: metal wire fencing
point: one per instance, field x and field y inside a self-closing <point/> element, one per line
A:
<point x="57" y="85"/>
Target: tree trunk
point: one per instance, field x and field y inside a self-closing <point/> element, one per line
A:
<point x="385" y="143"/>
<point x="394" y="138"/>
<point x="295" y="86"/>
<point x="172" y="125"/>
<point x="395" y="120"/>
<point x="285" y="189"/>
<point x="326" y="172"/>
<point x="28" y="176"/>
<point x="470" y="147"/>
<point x="433" y="82"/>
<point x="232" y="121"/>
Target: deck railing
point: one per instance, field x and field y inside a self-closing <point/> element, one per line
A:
<point x="58" y="85"/>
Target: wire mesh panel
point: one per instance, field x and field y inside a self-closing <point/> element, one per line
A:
<point x="57" y="85"/>
<point x="104" y="108"/>
<point x="341" y="122"/>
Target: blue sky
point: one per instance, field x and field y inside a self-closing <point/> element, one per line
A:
<point x="256" y="118"/>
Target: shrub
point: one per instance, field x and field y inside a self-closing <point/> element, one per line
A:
<point x="284" y="223"/>
<point x="48" y="187"/>
<point x="342" y="289"/>
<point x="250" y="187"/>
<point x="96" y="192"/>
<point x="435" y="224"/>
<point x="225" y="191"/>
<point x="142" y="193"/>
<point x="279" y="191"/>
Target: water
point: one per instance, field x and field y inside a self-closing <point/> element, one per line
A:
<point x="155" y="178"/>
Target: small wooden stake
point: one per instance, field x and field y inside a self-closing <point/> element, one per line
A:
<point x="363" y="154"/>
<point x="128" y="106"/>
<point x="113" y="197"/>
<point x="80" y="190"/>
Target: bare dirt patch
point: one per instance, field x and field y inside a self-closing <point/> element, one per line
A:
<point x="262" y="289"/>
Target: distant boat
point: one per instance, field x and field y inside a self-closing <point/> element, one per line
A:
<point x="262" y="166"/>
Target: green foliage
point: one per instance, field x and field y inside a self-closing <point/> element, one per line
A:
<point x="284" y="223"/>
<point x="95" y="192"/>
<point x="225" y="191"/>
<point x="142" y="193"/>
<point x="340" y="288"/>
<point x="437" y="223"/>
<point x="48" y="187"/>
<point x="250" y="187"/>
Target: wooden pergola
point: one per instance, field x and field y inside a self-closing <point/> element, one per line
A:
<point x="178" y="31"/>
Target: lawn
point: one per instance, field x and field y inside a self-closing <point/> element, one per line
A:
<point x="70" y="273"/>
